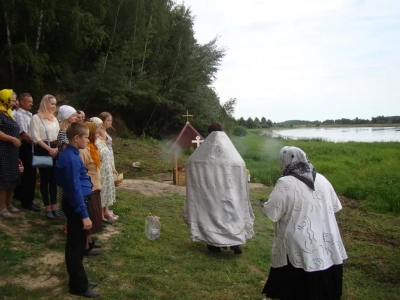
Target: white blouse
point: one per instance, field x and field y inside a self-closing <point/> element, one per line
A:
<point x="306" y="230"/>
<point x="39" y="131"/>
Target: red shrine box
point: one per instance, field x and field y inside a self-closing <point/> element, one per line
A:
<point x="184" y="140"/>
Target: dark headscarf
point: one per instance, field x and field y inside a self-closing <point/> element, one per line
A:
<point x="294" y="162"/>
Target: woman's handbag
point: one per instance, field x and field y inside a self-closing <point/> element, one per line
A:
<point x="42" y="161"/>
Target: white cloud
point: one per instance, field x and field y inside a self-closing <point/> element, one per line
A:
<point x="306" y="59"/>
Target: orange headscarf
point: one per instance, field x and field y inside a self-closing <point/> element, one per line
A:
<point x="94" y="152"/>
<point x="5" y="102"/>
<point x="44" y="112"/>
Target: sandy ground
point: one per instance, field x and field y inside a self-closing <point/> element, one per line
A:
<point x="154" y="188"/>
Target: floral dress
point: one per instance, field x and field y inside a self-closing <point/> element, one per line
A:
<point x="109" y="146"/>
<point x="107" y="175"/>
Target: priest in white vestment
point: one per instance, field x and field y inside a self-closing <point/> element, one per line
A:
<point x="217" y="206"/>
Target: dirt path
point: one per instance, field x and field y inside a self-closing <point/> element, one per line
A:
<point x="154" y="188"/>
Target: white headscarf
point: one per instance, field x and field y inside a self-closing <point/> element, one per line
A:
<point x="64" y="112"/>
<point x="294" y="162"/>
<point x="96" y="121"/>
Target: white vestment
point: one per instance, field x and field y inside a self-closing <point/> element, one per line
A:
<point x="217" y="206"/>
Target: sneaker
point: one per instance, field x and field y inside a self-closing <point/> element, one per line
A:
<point x="112" y="213"/>
<point x="110" y="216"/>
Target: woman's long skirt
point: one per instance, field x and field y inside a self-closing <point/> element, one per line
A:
<point x="293" y="283"/>
<point x="96" y="214"/>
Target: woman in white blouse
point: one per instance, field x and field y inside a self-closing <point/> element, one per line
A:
<point x="45" y="128"/>
<point x="308" y="252"/>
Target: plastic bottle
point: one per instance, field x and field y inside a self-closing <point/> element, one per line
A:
<point x="152" y="227"/>
<point x="155" y="228"/>
<point x="147" y="222"/>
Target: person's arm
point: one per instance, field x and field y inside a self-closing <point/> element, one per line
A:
<point x="70" y="184"/>
<point x="8" y="138"/>
<point x="23" y="129"/>
<point x="25" y="138"/>
<point x="274" y="208"/>
<point x="73" y="188"/>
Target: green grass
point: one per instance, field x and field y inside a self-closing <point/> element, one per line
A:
<point x="174" y="267"/>
<point x="363" y="171"/>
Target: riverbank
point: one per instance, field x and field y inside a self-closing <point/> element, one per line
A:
<point x="369" y="172"/>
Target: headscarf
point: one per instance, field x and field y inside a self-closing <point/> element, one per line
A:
<point x="294" y="162"/>
<point x="97" y="121"/>
<point x="43" y="111"/>
<point x="64" y="112"/>
<point x="5" y="102"/>
<point x="94" y="152"/>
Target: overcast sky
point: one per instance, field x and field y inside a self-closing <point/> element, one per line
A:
<point x="305" y="59"/>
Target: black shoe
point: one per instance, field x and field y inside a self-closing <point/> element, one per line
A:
<point x="236" y="249"/>
<point x="214" y="249"/>
<point x="92" y="252"/>
<point x="97" y="245"/>
<point x="93" y="244"/>
<point x="107" y="222"/>
<point x="92" y="284"/>
<point x="88" y="294"/>
<point x="34" y="208"/>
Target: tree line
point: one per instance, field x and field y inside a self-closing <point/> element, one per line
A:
<point x="138" y="59"/>
<point x="264" y="123"/>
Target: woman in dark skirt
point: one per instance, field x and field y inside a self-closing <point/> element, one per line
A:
<point x="91" y="159"/>
<point x="308" y="252"/>
<point x="9" y="143"/>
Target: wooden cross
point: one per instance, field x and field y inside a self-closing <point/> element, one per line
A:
<point x="197" y="141"/>
<point x="187" y="116"/>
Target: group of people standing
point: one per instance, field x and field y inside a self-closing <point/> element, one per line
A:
<point x="308" y="252"/>
<point x="23" y="135"/>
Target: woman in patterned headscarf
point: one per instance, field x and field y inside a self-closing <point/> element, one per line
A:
<point x="9" y="143"/>
<point x="308" y="252"/>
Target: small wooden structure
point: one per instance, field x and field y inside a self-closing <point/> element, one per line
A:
<point x="188" y="137"/>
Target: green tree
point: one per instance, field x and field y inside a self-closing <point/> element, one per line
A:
<point x="250" y="123"/>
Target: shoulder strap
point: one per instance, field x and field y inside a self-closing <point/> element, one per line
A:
<point x="47" y="135"/>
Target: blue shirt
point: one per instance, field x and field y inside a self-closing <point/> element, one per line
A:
<point x="71" y="176"/>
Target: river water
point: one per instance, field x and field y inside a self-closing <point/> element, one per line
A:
<point x="342" y="134"/>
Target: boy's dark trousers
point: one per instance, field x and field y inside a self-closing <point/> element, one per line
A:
<point x="75" y="250"/>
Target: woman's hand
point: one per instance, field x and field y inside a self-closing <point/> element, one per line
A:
<point x="53" y="152"/>
<point x="16" y="142"/>
<point x="115" y="171"/>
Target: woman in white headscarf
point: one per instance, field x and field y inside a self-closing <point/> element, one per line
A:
<point x="308" y="252"/>
<point x="66" y="116"/>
